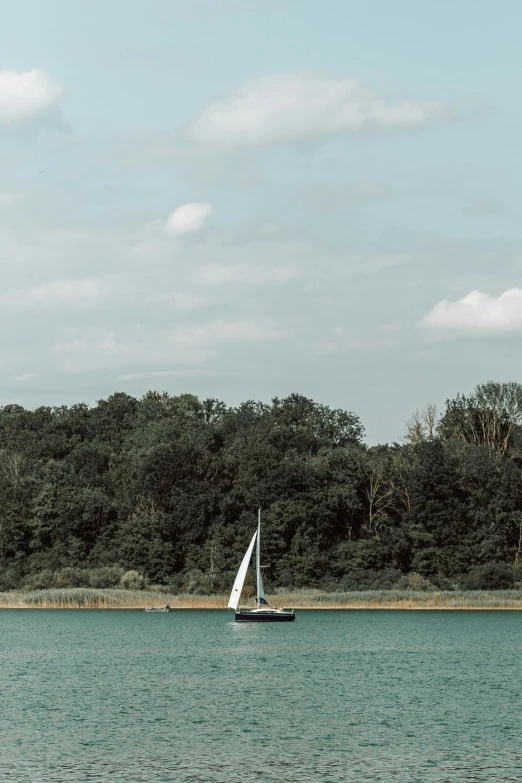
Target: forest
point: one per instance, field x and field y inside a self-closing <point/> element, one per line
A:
<point x="164" y="490"/>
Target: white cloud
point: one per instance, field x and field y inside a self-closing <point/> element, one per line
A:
<point x="188" y="218"/>
<point x="7" y="198"/>
<point x="478" y="312"/>
<point x="92" y="348"/>
<point x="387" y="260"/>
<point x="25" y="95"/>
<point x="326" y="347"/>
<point x="289" y="107"/>
<point x="189" y="342"/>
<point x="28" y="376"/>
<point x="368" y="190"/>
<point x="269" y="229"/>
<point x="73" y="292"/>
<point x="486" y="207"/>
<point x="161" y="373"/>
<point x="178" y="300"/>
<point x="242" y="331"/>
<point x="245" y="273"/>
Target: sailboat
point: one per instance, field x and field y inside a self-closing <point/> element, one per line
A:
<point x="263" y="613"/>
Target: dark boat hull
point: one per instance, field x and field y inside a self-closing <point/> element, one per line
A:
<point x="264" y="617"/>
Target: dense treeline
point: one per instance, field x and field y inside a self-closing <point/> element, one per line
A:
<point x="168" y="488"/>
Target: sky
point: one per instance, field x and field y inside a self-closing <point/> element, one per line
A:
<point x="243" y="199"/>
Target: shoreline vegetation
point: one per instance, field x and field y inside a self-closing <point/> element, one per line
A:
<point x="163" y="491"/>
<point x="81" y="598"/>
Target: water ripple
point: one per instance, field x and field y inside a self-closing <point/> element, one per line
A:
<point x="405" y="697"/>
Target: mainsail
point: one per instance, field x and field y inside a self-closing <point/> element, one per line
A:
<point x="235" y="595"/>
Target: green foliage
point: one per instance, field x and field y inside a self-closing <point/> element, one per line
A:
<point x="414" y="582"/>
<point x="491" y="576"/>
<point x="103" y="577"/>
<point x="167" y="487"/>
<point x="131" y="580"/>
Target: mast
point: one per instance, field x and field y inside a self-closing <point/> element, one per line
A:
<point x="258" y="556"/>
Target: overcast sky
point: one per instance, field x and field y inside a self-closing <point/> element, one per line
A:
<point x="246" y="198"/>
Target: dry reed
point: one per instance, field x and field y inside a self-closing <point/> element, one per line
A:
<point x="91" y="598"/>
<point x="404" y="599"/>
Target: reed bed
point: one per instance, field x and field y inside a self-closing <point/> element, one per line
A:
<point x="92" y="598"/>
<point x="403" y="599"/>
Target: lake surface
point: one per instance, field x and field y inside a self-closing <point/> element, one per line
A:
<point x="191" y="697"/>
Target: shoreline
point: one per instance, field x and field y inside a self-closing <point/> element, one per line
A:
<point x="302" y="600"/>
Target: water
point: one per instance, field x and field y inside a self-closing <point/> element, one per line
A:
<point x="190" y="697"/>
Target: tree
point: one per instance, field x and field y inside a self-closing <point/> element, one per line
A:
<point x="379" y="492"/>
<point x="169" y="486"/>
<point x="436" y="523"/>
<point x="422" y="425"/>
<point x="491" y="416"/>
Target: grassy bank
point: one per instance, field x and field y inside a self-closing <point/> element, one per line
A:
<point x="90" y="598"/>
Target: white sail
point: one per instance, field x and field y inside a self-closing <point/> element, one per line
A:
<point x="235" y="595"/>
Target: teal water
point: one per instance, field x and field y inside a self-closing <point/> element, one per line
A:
<point x="190" y="697"/>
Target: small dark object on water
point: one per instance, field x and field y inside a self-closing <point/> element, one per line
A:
<point x="158" y="609"/>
